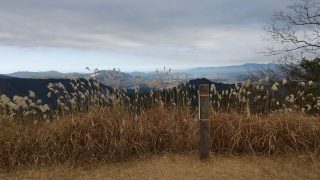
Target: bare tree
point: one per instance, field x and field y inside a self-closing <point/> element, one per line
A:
<point x="296" y="32"/>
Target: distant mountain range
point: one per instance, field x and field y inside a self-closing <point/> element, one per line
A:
<point x="224" y="74"/>
<point x="235" y="69"/>
<point x="43" y="75"/>
<point x="4" y="77"/>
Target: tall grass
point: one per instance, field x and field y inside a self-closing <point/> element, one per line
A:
<point x="263" y="96"/>
<point x="107" y="134"/>
<point x="89" y="122"/>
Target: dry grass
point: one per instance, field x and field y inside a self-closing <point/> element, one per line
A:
<point x="183" y="167"/>
<point x="272" y="134"/>
<point x="108" y="134"/>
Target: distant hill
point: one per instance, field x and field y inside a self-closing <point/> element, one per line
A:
<point x="235" y="69"/>
<point x="142" y="74"/>
<point x="219" y="86"/>
<point x="113" y="77"/>
<point x="12" y="86"/>
<point x="4" y="76"/>
<point x="224" y="74"/>
<point x="44" y="74"/>
<point x="107" y="77"/>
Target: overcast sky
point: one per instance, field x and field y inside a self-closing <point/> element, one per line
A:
<point x="68" y="35"/>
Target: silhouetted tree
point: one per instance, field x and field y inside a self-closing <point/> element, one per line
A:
<point x="308" y="70"/>
<point x="296" y="31"/>
<point x="295" y="34"/>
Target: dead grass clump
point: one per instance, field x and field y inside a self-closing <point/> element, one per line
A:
<point x="105" y="134"/>
<point x="101" y="134"/>
<point x="274" y="133"/>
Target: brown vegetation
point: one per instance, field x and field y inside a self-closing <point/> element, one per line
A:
<point x="106" y="134"/>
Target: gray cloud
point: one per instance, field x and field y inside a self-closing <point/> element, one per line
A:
<point x="189" y="29"/>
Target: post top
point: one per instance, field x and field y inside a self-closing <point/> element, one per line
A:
<point x="204" y="88"/>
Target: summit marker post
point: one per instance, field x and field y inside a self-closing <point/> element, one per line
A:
<point x="204" y="121"/>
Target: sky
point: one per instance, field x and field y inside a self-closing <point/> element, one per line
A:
<point x="134" y="35"/>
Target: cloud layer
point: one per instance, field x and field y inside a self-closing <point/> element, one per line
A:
<point x="171" y="29"/>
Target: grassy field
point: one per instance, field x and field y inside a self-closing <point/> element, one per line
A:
<point x="186" y="166"/>
<point x="156" y="136"/>
<point x="113" y="134"/>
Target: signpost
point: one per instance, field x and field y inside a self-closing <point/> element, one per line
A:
<point x="204" y="120"/>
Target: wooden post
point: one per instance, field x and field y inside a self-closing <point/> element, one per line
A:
<point x="204" y="120"/>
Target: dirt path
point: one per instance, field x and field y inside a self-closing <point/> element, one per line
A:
<point x="184" y="167"/>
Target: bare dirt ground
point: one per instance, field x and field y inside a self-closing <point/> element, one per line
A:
<point x="183" y="167"/>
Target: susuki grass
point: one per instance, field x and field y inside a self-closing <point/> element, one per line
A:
<point x="107" y="134"/>
<point x="89" y="122"/>
<point x="263" y="96"/>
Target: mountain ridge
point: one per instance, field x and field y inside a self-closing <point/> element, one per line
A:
<point x="225" y="74"/>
